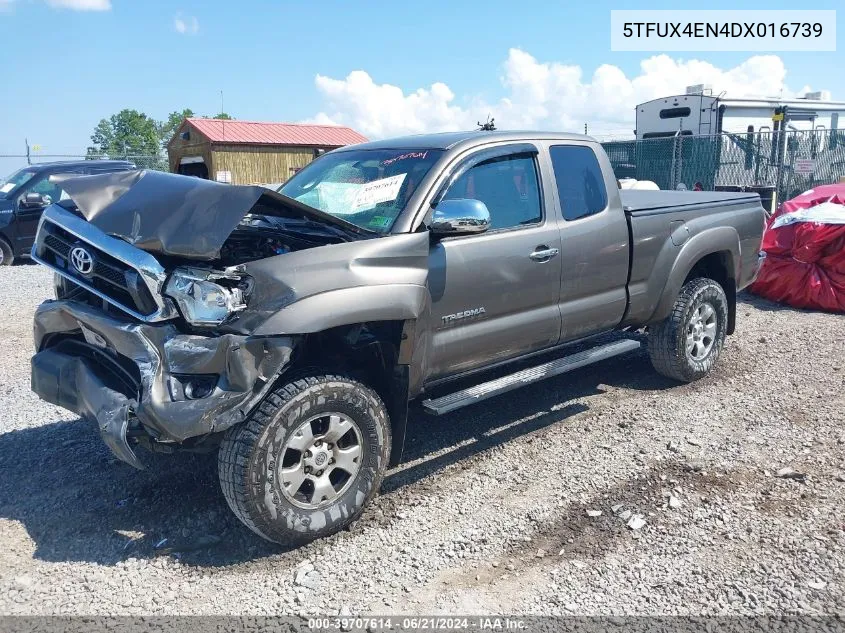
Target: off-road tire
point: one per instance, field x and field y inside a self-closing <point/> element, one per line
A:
<point x="667" y="340"/>
<point x="6" y="254"/>
<point x="248" y="454"/>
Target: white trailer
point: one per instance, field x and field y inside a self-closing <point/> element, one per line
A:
<point x="766" y="145"/>
<point x="699" y="113"/>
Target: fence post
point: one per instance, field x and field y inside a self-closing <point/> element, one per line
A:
<point x="680" y="173"/>
<point x="783" y="142"/>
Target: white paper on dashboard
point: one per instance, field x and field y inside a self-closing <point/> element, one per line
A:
<point x="383" y="190"/>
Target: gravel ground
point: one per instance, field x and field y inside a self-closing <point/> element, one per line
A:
<point x="496" y="507"/>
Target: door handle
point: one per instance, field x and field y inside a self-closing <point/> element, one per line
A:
<point x="543" y="254"/>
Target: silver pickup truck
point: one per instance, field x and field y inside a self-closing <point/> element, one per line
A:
<point x="289" y="331"/>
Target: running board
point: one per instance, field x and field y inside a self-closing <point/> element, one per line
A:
<point x="477" y="393"/>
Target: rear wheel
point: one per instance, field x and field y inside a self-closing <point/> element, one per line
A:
<point x="308" y="459"/>
<point x="6" y="255"/>
<point x="687" y="344"/>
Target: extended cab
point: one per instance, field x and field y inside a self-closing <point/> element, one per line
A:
<point x="289" y="331"/>
<point x="28" y="191"/>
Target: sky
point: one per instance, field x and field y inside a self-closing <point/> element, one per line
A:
<point x="384" y="68"/>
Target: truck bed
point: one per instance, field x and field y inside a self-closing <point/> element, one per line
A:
<point x="650" y="202"/>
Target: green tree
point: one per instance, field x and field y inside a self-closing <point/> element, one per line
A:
<point x="222" y="115"/>
<point x="166" y="129"/>
<point x="127" y="133"/>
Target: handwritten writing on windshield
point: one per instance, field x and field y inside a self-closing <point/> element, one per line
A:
<point x="390" y="161"/>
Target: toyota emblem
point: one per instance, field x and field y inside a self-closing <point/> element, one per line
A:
<point x="82" y="260"/>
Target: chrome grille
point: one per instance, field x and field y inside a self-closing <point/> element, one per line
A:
<point x="61" y="242"/>
<point x="126" y="277"/>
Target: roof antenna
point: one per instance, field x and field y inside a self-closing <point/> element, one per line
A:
<point x="489" y="126"/>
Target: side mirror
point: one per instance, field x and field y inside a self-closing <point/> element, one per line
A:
<point x="34" y="201"/>
<point x="461" y="216"/>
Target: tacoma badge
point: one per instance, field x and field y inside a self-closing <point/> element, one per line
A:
<point x="448" y="318"/>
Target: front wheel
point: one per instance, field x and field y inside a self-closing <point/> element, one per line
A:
<point x="687" y="343"/>
<point x="308" y="459"/>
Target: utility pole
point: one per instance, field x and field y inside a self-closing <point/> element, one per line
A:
<point x="585" y="128"/>
<point x="28" y="160"/>
<point x="222" y="111"/>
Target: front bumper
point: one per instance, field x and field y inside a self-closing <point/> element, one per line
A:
<point x="131" y="377"/>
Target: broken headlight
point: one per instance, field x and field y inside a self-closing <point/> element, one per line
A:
<point x="206" y="297"/>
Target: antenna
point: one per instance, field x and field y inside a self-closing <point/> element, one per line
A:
<point x="489" y="126"/>
<point x="221" y="112"/>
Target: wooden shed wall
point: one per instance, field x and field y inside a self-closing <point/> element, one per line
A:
<point x="254" y="164"/>
<point x="178" y="148"/>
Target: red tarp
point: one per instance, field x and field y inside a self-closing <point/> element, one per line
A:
<point x="804" y="244"/>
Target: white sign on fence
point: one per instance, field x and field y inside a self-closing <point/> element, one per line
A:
<point x="224" y="176"/>
<point x="805" y="166"/>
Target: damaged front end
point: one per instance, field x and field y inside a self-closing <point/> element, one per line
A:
<point x="150" y="383"/>
<point x="180" y="302"/>
<point x="132" y="340"/>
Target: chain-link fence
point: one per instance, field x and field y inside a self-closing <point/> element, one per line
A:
<point x="777" y="165"/>
<point x="146" y="161"/>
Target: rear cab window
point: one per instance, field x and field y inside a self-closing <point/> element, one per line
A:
<point x="579" y="179"/>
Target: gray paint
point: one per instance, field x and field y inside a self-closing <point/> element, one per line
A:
<point x="312" y="290"/>
<point x="594" y="259"/>
<point x="620" y="267"/>
<point x="660" y="265"/>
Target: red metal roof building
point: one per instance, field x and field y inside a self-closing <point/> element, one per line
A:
<point x="291" y="134"/>
<point x="250" y="152"/>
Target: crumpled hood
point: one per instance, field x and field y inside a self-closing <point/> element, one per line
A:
<point x="178" y="215"/>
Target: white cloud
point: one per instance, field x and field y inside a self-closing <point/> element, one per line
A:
<point x="186" y="24"/>
<point x="383" y="110"/>
<point x="81" y="5"/>
<point x="538" y="94"/>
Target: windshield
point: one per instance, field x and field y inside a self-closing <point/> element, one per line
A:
<point x="369" y="188"/>
<point x="15" y="180"/>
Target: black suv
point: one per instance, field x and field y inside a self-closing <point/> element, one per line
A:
<point x="28" y="191"/>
